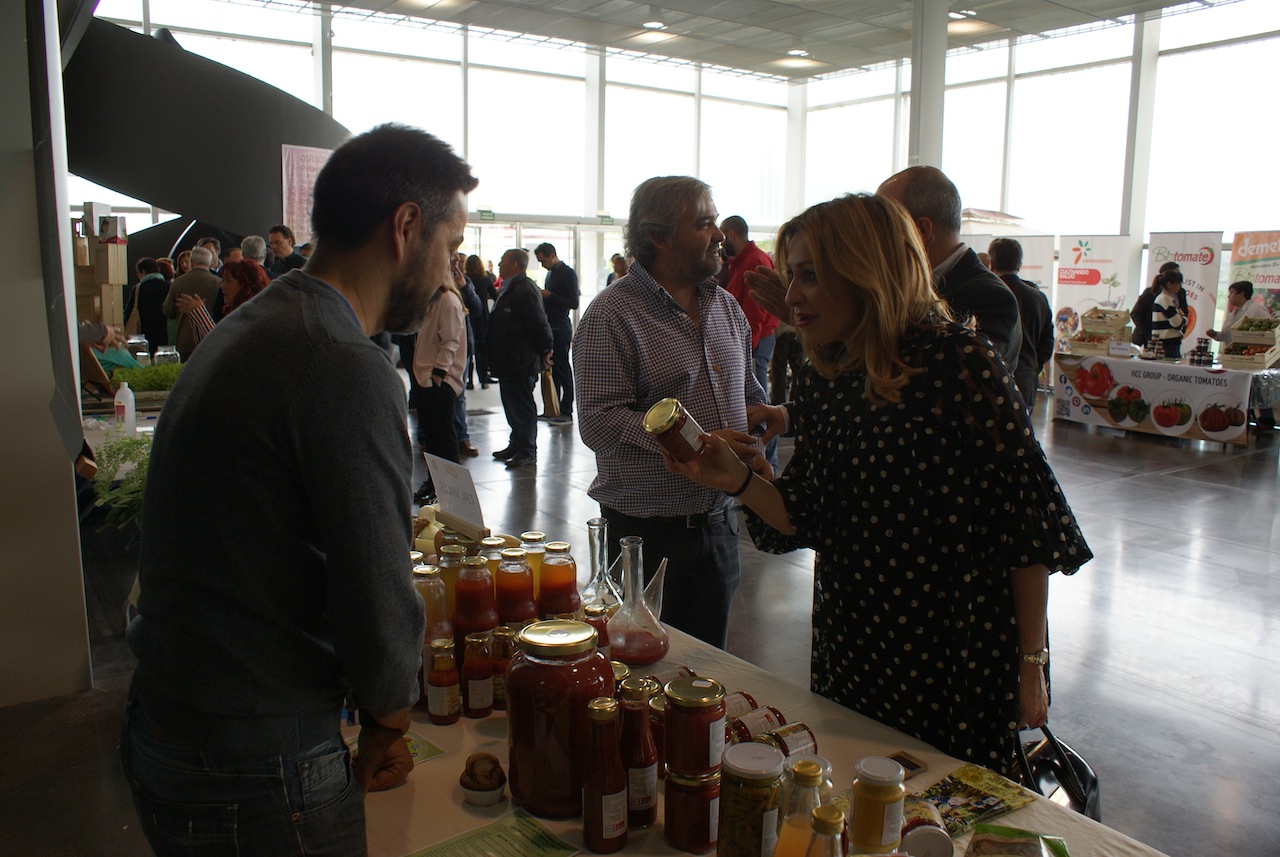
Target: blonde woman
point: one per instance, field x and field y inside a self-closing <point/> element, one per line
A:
<point x="918" y="481"/>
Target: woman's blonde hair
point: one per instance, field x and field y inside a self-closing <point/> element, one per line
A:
<point x="868" y="259"/>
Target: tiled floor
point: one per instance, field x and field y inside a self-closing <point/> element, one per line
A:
<point x="1164" y="673"/>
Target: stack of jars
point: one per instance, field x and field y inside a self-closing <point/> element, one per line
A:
<point x="693" y="727"/>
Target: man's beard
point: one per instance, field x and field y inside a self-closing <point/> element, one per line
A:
<point x="407" y="297"/>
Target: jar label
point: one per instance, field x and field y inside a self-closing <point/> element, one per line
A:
<point x="499" y="690"/>
<point x="713" y="819"/>
<point x="480" y="692"/>
<point x="737" y="704"/>
<point x="759" y="721"/>
<point x="690" y="431"/>
<point x="642" y="787"/>
<point x="715" y="742"/>
<point x="891" y="833"/>
<point x="444" y="701"/>
<point x="613" y="814"/>
<point x="769" y="832"/>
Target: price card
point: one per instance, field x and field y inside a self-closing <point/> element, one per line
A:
<point x="1119" y="349"/>
<point x="456" y="492"/>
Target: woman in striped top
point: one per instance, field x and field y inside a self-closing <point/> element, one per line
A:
<point x="1168" y="323"/>
<point x="240" y="282"/>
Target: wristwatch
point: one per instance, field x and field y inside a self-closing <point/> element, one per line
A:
<point x="1040" y="658"/>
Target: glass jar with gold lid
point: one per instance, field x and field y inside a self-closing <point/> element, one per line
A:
<point x="694" y="726"/>
<point x="675" y="429"/>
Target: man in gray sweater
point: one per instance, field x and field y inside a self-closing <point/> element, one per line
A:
<point x="288" y="425"/>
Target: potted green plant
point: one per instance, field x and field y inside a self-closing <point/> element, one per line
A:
<point x="121" y="479"/>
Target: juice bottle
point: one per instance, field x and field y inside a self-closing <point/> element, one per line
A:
<point x="477" y="678"/>
<point x="535" y="545"/>
<point x="797" y="824"/>
<point x="475" y="610"/>
<point x="514" y="588"/>
<point x="450" y="564"/>
<point x="500" y="658"/>
<point x="444" y="698"/>
<point x="558" y="593"/>
<point x="639" y="753"/>
<point x="491" y="549"/>
<point x="604" y="781"/>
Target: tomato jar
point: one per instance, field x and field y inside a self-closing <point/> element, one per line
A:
<point x="513" y="589"/>
<point x="792" y="738"/>
<point x="691" y="812"/>
<point x="694" y="726"/>
<point x="657" y="719"/>
<point x="554" y="673"/>
<point x="739" y="703"/>
<point x="674" y="429"/>
<point x="754" y="723"/>
<point x="749" y="791"/>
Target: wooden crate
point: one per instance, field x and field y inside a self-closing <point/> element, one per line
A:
<point x="1099" y="320"/>
<point x="1251" y="363"/>
<point x="112" y="263"/>
<point x="1095" y="349"/>
<point x="1254" y="337"/>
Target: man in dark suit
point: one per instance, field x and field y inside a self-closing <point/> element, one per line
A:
<point x="560" y="297"/>
<point x="1034" y="314"/>
<point x="968" y="288"/>
<point x="519" y="346"/>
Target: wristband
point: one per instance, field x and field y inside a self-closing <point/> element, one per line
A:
<point x="745" y="484"/>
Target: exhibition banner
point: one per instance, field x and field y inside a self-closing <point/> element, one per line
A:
<point x="1153" y="396"/>
<point x="1199" y="257"/>
<point x="1091" y="271"/>
<point x="299" y="166"/>
<point x="1037" y="260"/>
<point x="1255" y="256"/>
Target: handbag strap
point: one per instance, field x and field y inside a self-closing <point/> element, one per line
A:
<point x="1069" y="777"/>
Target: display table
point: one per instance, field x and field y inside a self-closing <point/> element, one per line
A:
<point x="429" y="808"/>
<point x="1160" y="396"/>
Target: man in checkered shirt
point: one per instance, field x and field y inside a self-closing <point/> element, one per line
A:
<point x="667" y="330"/>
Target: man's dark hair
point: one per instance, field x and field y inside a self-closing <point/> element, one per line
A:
<point x="282" y="230"/>
<point x="1244" y="287"/>
<point x="1006" y="254"/>
<point x="211" y="242"/>
<point x="370" y="176"/>
<point x="545" y="249"/>
<point x="735" y="224"/>
<point x="929" y="193"/>
<point x="147" y="265"/>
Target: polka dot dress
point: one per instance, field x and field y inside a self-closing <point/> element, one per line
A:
<point x="918" y="511"/>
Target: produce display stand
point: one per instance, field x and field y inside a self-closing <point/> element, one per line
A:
<point x="1155" y="396"/>
<point x="1101" y="331"/>
<point x="429" y="809"/>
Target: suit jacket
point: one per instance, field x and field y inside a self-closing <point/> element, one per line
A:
<point x="197" y="282"/>
<point x="519" y="333"/>
<point x="972" y="290"/>
<point x="1036" y="318"/>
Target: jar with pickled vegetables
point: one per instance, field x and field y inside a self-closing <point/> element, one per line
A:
<point x="751" y="780"/>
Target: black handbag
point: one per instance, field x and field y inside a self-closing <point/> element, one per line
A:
<point x="1052" y="768"/>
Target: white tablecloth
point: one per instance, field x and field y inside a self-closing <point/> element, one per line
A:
<point x="430" y="809"/>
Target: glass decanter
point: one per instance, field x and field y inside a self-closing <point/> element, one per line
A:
<point x="600" y="589"/>
<point x="636" y="637"/>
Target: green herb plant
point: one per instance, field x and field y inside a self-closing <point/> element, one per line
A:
<point x="122" y="495"/>
<point x="148" y="379"/>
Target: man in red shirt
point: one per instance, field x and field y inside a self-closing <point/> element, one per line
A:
<point x="745" y="256"/>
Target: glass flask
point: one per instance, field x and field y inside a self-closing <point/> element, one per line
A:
<point x="600" y="589"/>
<point x="636" y="637"/>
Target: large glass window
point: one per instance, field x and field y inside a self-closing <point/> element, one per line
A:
<point x="1089" y="46"/>
<point x="397" y="37"/>
<point x="852" y="87"/>
<point x="427" y="95"/>
<point x="849" y="149"/>
<point x="647" y="134"/>
<point x="624" y="69"/>
<point x="285" y="67"/>
<point x="744" y="152"/>
<point x="121" y="10"/>
<point x="744" y="88"/>
<point x="1213" y="141"/>
<point x="525" y="56"/>
<point x="291" y="23"/>
<point x="1069" y="137"/>
<point x="526" y="142"/>
<point x="973" y="142"/>
<point x="991" y="61"/>
<point x="1225" y="21"/>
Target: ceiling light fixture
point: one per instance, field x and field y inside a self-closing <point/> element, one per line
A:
<point x="797" y="52"/>
<point x="655" y="21"/>
<point x="962" y="14"/>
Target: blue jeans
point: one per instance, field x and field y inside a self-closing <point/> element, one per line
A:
<point x="522" y="414"/>
<point x="212" y="802"/>
<point x="760" y="357"/>
<point x="702" y="567"/>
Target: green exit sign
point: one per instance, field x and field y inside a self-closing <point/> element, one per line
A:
<point x="486" y="215"/>
<point x="606" y="220"/>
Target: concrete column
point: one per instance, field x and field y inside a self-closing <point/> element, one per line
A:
<point x="797" y="143"/>
<point x="594" y="125"/>
<point x="928" y="76"/>
<point x="1137" y="160"/>
<point x="44" y="645"/>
